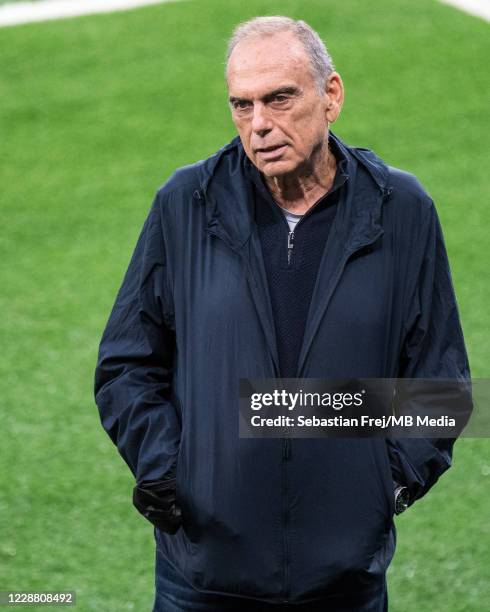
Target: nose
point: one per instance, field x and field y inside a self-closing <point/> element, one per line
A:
<point x="261" y="122"/>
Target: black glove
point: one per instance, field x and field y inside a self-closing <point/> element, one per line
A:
<point x="156" y="501"/>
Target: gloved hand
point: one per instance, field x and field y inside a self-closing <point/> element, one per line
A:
<point x="156" y="501"/>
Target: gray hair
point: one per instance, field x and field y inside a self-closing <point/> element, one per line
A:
<point x="320" y="60"/>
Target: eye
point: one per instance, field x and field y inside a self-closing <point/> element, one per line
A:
<point x="280" y="101"/>
<point x="240" y="104"/>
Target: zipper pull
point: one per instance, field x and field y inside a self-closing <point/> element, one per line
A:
<point x="290" y="246"/>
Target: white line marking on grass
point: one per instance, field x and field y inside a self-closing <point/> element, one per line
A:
<point x="45" y="10"/>
<point x="480" y="8"/>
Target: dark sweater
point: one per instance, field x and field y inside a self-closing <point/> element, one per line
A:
<point x="291" y="283"/>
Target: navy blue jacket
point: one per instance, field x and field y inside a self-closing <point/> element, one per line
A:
<point x="193" y="315"/>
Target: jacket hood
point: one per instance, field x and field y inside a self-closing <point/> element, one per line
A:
<point x="227" y="192"/>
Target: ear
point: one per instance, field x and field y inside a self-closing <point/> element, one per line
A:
<point x="334" y="90"/>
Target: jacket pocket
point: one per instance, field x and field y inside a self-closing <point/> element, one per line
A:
<point x="182" y="496"/>
<point x="388" y="479"/>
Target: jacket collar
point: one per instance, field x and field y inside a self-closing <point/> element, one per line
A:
<point x="227" y="192"/>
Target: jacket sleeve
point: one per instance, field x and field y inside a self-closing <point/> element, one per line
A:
<point x="433" y="348"/>
<point x="135" y="362"/>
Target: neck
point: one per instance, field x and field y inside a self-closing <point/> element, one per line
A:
<point x="299" y="191"/>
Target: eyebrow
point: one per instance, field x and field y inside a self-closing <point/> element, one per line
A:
<point x="288" y="89"/>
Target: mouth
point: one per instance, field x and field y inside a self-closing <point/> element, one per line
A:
<point x="271" y="152"/>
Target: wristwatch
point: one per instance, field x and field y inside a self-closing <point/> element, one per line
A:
<point x="402" y="498"/>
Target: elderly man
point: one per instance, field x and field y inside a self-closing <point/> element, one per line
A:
<point x="285" y="254"/>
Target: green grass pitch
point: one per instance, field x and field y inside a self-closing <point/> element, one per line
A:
<point x="95" y="113"/>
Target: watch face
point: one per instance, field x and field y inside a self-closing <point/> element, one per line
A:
<point x="401" y="500"/>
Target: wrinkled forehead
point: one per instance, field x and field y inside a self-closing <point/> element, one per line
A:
<point x="267" y="62"/>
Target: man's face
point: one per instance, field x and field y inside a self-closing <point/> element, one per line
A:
<point x="281" y="116"/>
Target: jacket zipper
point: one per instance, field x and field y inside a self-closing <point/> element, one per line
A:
<point x="286" y="452"/>
<point x="286" y="442"/>
<point x="290" y="246"/>
<point x="291" y="233"/>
